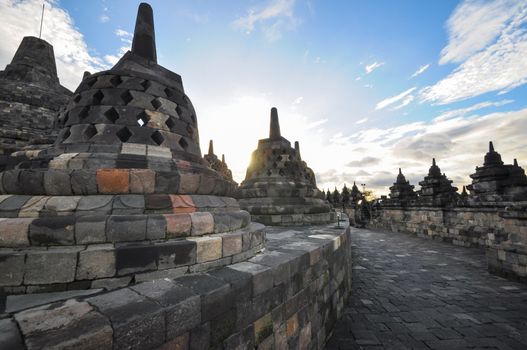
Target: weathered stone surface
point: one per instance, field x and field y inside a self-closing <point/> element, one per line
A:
<point x="123" y="228"/>
<point x="135" y="257"/>
<point x="90" y="229"/>
<point x="111" y="283"/>
<point x="142" y="181"/>
<point x="14" y="232"/>
<point x="113" y="180"/>
<point x="262" y="275"/>
<point x="136" y="321"/>
<point x="10" y="335"/>
<point x="15" y="303"/>
<point x="156" y="227"/>
<point x="69" y="324"/>
<point x="52" y="231"/>
<point x="64" y="262"/>
<point x="178" y="225"/>
<point x="202" y="223"/>
<point x="232" y="244"/>
<point x="208" y="248"/>
<point x="97" y="261"/>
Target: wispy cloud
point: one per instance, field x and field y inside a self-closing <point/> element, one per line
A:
<point x="492" y="56"/>
<point x="273" y="19"/>
<point x="404" y="96"/>
<point x="460" y="112"/>
<point x="371" y="67"/>
<point x="420" y="71"/>
<point x="22" y="18"/>
<point x="126" y="40"/>
<point x="361" y="121"/>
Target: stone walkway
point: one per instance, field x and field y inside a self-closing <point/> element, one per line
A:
<point x="415" y="293"/>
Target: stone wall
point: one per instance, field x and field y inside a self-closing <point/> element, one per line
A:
<point x="289" y="296"/>
<point x="502" y="230"/>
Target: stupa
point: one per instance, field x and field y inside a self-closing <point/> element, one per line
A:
<point x="30" y="97"/>
<point x="401" y="193"/>
<point x="123" y="194"/>
<point x="279" y="188"/>
<point x="219" y="165"/>
<point x="436" y="188"/>
<point x="496" y="181"/>
<point x="356" y="194"/>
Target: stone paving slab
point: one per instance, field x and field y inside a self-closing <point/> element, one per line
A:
<point x="414" y="293"/>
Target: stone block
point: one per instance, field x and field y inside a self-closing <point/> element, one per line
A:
<point x="137" y="322"/>
<point x="90" y="229"/>
<point x="158" y="151"/>
<point x="175" y="253"/>
<point x="232" y="244"/>
<point x="33" y="207"/>
<point x="61" y="205"/>
<point x="202" y="223"/>
<point x="51" y="266"/>
<point x="113" y="181"/>
<point x="32" y="181"/>
<point x="84" y="182"/>
<point x="70" y="324"/>
<point x="208" y="248"/>
<point x="97" y="261"/>
<point x="161" y="274"/>
<point x="217" y="297"/>
<point x="189" y="183"/>
<point x="181" y="342"/>
<point x="101" y="204"/>
<point x="14" y="203"/>
<point x="262" y="276"/>
<point x="178" y="225"/>
<point x="263" y="328"/>
<point x="142" y="181"/>
<point x="129" y="204"/>
<point x="156" y="227"/>
<point x="135" y="257"/>
<point x="182" y="204"/>
<point x="182" y="306"/>
<point x="10" y="338"/>
<point x="167" y="182"/>
<point x="126" y="228"/>
<point x="200" y="337"/>
<point x="54" y="230"/>
<point x="11" y="269"/>
<point x="133" y="148"/>
<point x="14" y="232"/>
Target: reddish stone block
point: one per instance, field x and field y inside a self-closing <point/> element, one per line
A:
<point x="113" y="180"/>
<point x="178" y="225"/>
<point x="182" y="204"/>
<point x="14" y="232"/>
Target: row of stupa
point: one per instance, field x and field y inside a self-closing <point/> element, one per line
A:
<point x="130" y="119"/>
<point x="492" y="184"/>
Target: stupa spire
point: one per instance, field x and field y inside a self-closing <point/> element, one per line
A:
<point x="297" y="149"/>
<point x="211" y="148"/>
<point x="491" y="147"/>
<point x="223" y="158"/>
<point x="274" y="130"/>
<point x="144" y="43"/>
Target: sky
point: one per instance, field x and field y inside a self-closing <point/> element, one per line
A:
<point x="366" y="87"/>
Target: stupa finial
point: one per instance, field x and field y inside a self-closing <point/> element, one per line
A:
<point x="400" y="172"/>
<point x="297" y="149"/>
<point x="144" y="43"/>
<point x="223" y="158"/>
<point x="211" y="148"/>
<point x="274" y="130"/>
<point x="433" y="161"/>
<point x="515" y="162"/>
<point x="491" y="147"/>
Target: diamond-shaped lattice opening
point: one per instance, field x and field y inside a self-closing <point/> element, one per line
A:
<point x="168" y="92"/>
<point x="183" y="143"/>
<point x="142" y="118"/>
<point x="127" y="97"/>
<point x="97" y="97"/>
<point x="269" y="172"/>
<point x="112" y="115"/>
<point x="66" y="117"/>
<point x="66" y="134"/>
<point x="77" y="98"/>
<point x="193" y="117"/>
<point x="281" y="172"/>
<point x="84" y="112"/>
<point x="116" y="80"/>
<point x="279" y="158"/>
<point x="190" y="131"/>
<point x="179" y="111"/>
<point x="156" y="103"/>
<point x="90" y="132"/>
<point x="91" y="82"/>
<point x="275" y="165"/>
<point x="124" y="134"/>
<point x="157" y="137"/>
<point x="170" y="123"/>
<point x="146" y="84"/>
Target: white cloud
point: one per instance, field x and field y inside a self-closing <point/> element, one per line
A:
<point x="463" y="111"/>
<point x="361" y="121"/>
<point x="403" y="96"/>
<point x="405" y="102"/>
<point x="273" y="19"/>
<point x="371" y="67"/>
<point x="420" y="71"/>
<point x="22" y="18"/>
<point x="104" y="18"/>
<point x="492" y="55"/>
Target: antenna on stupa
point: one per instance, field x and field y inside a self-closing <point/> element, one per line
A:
<point x="274" y="130"/>
<point x="144" y="43"/>
<point x="41" y="21"/>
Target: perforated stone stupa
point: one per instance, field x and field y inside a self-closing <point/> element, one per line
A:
<point x="30" y="97"/>
<point x="401" y="193"/>
<point x="124" y="194"/>
<point x="279" y="188"/>
<point x="496" y="181"/>
<point x="219" y="165"/>
<point x="436" y="188"/>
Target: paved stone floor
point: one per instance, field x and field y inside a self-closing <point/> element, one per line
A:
<point x="415" y="293"/>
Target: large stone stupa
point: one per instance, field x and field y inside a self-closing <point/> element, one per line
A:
<point x="279" y="188"/>
<point x="30" y="97"/>
<point x="123" y="194"/>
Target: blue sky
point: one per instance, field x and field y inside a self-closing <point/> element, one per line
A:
<point x="365" y="86"/>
